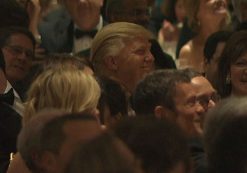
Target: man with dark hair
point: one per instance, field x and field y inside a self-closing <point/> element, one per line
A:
<point x="159" y="144"/>
<point x="212" y="52"/>
<point x="17" y="45"/>
<point x="138" y="12"/>
<point x="172" y="95"/>
<point x="47" y="143"/>
<point x="10" y="120"/>
<point x="169" y="94"/>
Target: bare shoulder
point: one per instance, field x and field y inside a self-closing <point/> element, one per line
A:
<point x="185" y="50"/>
<point x="184" y="55"/>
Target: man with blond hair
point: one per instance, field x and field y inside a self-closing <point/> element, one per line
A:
<point x="121" y="51"/>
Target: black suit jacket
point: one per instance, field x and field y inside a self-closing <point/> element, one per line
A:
<point x="10" y="125"/>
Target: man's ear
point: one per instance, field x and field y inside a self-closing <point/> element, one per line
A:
<point x="111" y="63"/>
<point x="158" y="111"/>
<point x="46" y="161"/>
<point x="163" y="112"/>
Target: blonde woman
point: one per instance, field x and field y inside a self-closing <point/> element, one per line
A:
<point x="67" y="89"/>
<point x="205" y="17"/>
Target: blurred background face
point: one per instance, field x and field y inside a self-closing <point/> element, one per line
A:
<point x="18" y="54"/>
<point x="238" y="74"/>
<point x="135" y="11"/>
<point x="212" y="9"/>
<point x="180" y="11"/>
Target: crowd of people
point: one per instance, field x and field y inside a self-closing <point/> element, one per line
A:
<point x="123" y="86"/>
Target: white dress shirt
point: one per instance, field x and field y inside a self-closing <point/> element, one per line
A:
<point x="18" y="104"/>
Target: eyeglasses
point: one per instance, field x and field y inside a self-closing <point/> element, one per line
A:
<point x="204" y="100"/>
<point x="18" y="50"/>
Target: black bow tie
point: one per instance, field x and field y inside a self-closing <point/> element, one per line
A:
<point x="8" y="97"/>
<point x="79" y="33"/>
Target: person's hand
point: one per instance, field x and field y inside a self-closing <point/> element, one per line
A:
<point x="85" y="13"/>
<point x="167" y="30"/>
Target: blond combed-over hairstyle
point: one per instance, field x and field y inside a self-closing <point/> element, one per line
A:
<point x="68" y="89"/>
<point x="111" y="39"/>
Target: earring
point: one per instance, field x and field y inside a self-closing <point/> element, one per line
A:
<point x="228" y="79"/>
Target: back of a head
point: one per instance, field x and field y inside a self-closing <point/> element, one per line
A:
<point x="63" y="61"/>
<point x="45" y="132"/>
<point x="68" y="89"/>
<point x="113" y="97"/>
<point x="104" y="154"/>
<point x="225" y="136"/>
<point x="230" y="151"/>
<point x="212" y="41"/>
<point x="111" y="39"/>
<point x="159" y="144"/>
<point x="157" y="88"/>
<point x="29" y="136"/>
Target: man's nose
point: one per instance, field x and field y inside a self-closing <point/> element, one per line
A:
<point x="200" y="109"/>
<point x="150" y="56"/>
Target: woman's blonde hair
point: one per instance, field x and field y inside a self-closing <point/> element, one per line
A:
<point x="68" y="89"/>
<point x="110" y="40"/>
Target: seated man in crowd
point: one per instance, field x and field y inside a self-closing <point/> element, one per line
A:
<point x="47" y="142"/>
<point x="10" y="119"/>
<point x="181" y="97"/>
<point x="71" y="28"/>
<point x="17" y="45"/>
<point x="170" y="94"/>
<point x="121" y="51"/>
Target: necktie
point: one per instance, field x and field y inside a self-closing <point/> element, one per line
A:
<point x="8" y="97"/>
<point x="79" y="33"/>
